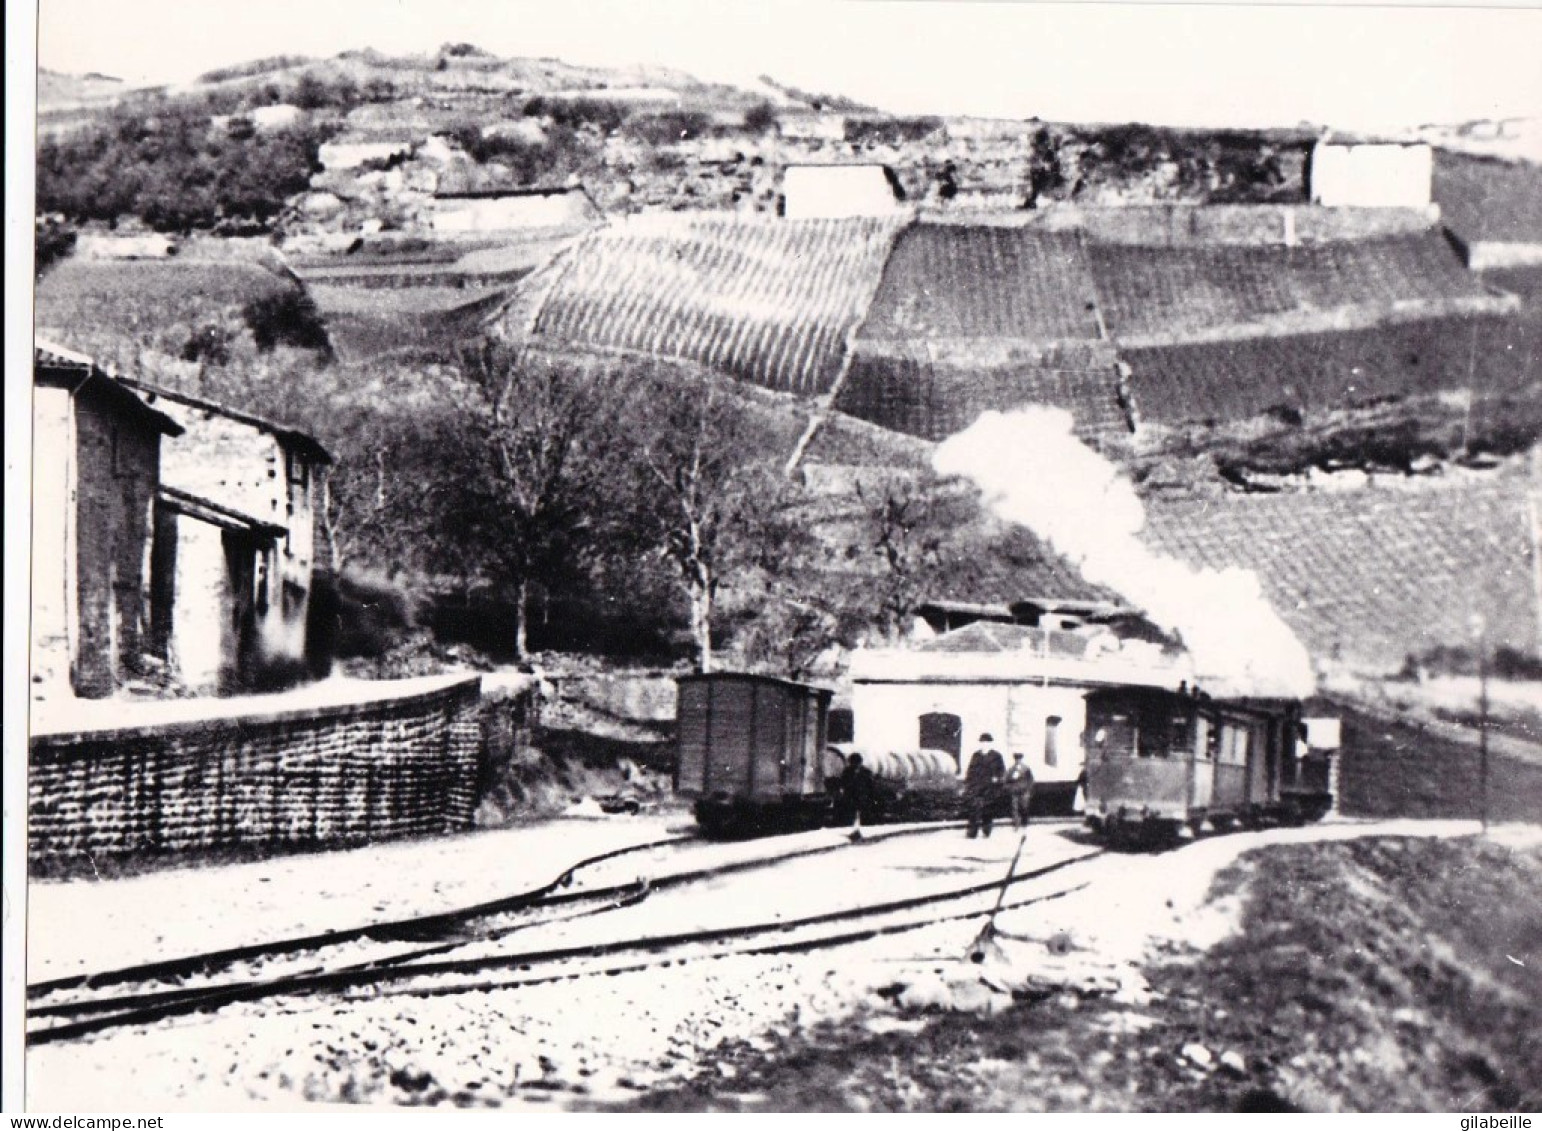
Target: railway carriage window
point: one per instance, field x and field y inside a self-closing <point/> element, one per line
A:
<point x="1212" y="741"/>
<point x="1178" y="731"/>
<point x="1240" y="748"/>
<point x="1112" y="735"/>
<point x="1052" y="741"/>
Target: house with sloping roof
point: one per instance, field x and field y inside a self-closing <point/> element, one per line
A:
<point x="235" y="545"/>
<point x="96" y="465"/>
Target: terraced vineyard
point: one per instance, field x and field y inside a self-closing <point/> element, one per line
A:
<point x="767" y="300"/>
<point x="910" y="390"/>
<point x="1169" y="293"/>
<point x="1375" y="575"/>
<point x="1234" y="380"/>
<point x="952" y="281"/>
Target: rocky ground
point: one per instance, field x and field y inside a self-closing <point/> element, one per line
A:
<point x="1367" y="975"/>
<point x="1351" y="965"/>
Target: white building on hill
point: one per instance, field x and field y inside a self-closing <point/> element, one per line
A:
<point x="1372" y="176"/>
<point x="818" y="192"/>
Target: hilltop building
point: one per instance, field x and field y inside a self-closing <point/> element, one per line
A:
<point x="493" y="210"/>
<point x="96" y="462"/>
<point x="234" y="556"/>
<point x="1371" y="175"/>
<point x="839" y="192"/>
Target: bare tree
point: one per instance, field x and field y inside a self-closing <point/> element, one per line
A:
<point x="905" y="530"/>
<point x="719" y="510"/>
<point x="543" y="452"/>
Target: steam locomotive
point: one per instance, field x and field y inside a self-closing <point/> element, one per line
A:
<point x="1161" y="762"/>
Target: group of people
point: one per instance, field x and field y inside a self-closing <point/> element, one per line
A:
<point x="986" y="779"/>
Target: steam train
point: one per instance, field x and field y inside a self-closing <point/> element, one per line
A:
<point x="754" y="757"/>
<point x="1161" y="762"/>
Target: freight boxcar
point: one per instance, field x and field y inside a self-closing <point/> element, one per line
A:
<point x="751" y="752"/>
<point x="1160" y="762"/>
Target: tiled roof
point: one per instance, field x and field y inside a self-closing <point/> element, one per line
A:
<point x="988" y="636"/>
<point x="48" y="359"/>
<point x="301" y="441"/>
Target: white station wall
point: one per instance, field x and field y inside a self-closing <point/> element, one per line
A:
<point x="887" y="716"/>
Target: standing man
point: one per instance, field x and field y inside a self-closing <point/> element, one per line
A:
<point x="1020" y="790"/>
<point x="856" y="792"/>
<point x="982" y="783"/>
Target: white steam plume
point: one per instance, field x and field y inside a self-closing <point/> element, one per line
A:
<point x="1033" y="471"/>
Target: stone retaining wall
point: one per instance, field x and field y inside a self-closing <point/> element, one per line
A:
<point x="403" y="762"/>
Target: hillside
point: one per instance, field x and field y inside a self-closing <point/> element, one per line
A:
<point x="398" y="129"/>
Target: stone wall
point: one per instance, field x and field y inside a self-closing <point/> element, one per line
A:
<point x="398" y="760"/>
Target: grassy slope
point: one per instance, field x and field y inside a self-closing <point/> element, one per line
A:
<point x="1369" y="975"/>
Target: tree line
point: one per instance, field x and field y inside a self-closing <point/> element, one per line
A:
<point x="657" y="491"/>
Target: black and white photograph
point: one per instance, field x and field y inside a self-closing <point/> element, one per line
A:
<point x="851" y="556"/>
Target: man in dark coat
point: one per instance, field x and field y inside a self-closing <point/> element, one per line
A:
<point x="856" y="792"/>
<point x="982" y="785"/>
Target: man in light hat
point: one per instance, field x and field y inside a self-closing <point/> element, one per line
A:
<point x="1020" y="790"/>
<point x="982" y="784"/>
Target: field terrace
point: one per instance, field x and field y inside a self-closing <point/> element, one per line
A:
<point x="1233" y="379"/>
<point x="767" y="300"/>
<point x="976" y="317"/>
<point x="1370" y="577"/>
<point x="1163" y="295"/>
<point x="133" y="297"/>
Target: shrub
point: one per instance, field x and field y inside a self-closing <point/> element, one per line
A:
<point x="891" y="131"/>
<point x="760" y="118"/>
<point x="53" y="239"/>
<point x="669" y="126"/>
<point x="288" y="318"/>
<point x="160" y="160"/>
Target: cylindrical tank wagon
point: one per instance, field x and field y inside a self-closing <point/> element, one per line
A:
<point x="907" y="785"/>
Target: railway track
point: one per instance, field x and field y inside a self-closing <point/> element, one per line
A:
<point x="459" y="926"/>
<point x="429" y="971"/>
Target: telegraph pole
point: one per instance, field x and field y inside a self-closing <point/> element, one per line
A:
<point x="1480" y="628"/>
